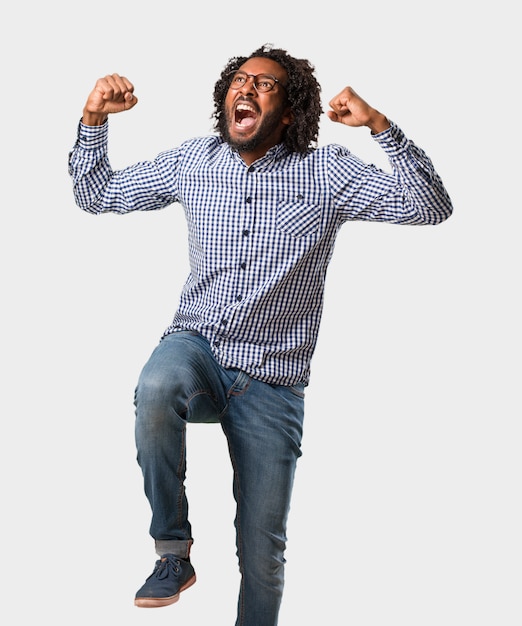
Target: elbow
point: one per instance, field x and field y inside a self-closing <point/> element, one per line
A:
<point x="444" y="213"/>
<point x="85" y="201"/>
<point x="437" y="212"/>
<point x="86" y="207"/>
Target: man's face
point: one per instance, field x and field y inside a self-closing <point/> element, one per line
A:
<point x="255" y="121"/>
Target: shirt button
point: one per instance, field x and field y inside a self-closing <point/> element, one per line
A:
<point x="243" y="266"/>
<point x="216" y="343"/>
<point x="246" y="232"/>
<point x="239" y="298"/>
<point x="224" y="322"/>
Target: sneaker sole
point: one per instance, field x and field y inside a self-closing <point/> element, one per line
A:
<point x="152" y="603"/>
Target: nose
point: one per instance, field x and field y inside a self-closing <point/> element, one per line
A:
<point x="250" y="85"/>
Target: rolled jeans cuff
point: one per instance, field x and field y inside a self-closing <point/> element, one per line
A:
<point x="177" y="547"/>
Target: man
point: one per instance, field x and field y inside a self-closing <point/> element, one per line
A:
<point x="263" y="206"/>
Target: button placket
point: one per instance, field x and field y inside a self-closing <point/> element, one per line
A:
<point x="246" y="230"/>
<point x="245" y="226"/>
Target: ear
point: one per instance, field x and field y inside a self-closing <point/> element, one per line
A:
<point x="288" y="117"/>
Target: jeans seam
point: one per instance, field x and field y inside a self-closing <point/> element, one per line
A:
<point x="240" y="385"/>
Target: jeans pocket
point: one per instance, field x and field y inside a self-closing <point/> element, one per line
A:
<point x="298" y="390"/>
<point x="240" y="384"/>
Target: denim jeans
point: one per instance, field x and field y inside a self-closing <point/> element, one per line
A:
<point x="182" y="382"/>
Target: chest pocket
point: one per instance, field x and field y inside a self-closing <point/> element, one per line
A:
<point x="298" y="218"/>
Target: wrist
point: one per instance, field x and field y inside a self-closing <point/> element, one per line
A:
<point x="378" y="124"/>
<point x="94" y="119"/>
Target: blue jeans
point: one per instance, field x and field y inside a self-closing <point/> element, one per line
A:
<point x="182" y="382"/>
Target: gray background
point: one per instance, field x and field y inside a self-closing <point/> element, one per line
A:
<point x="407" y="498"/>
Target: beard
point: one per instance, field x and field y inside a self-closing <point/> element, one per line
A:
<point x="267" y="128"/>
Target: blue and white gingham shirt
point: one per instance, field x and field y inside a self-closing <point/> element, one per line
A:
<point x="260" y="236"/>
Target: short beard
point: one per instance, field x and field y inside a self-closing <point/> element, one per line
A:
<point x="267" y="127"/>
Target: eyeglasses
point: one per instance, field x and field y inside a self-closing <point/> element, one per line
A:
<point x="262" y="82"/>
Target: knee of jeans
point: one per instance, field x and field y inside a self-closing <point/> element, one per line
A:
<point x="264" y="566"/>
<point x="261" y="543"/>
<point x="159" y="395"/>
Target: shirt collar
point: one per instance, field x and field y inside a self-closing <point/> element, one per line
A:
<point x="277" y="152"/>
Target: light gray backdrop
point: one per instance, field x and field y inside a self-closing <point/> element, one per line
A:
<point x="407" y="498"/>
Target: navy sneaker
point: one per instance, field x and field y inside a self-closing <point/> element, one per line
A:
<point x="170" y="577"/>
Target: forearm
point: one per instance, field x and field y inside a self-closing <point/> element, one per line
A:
<point x="89" y="166"/>
<point x="415" y="172"/>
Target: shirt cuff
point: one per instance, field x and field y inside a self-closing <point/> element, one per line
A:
<point x="392" y="140"/>
<point x="93" y="136"/>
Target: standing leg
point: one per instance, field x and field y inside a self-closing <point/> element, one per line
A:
<point x="263" y="426"/>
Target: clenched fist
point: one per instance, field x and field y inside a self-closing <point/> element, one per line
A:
<point x="350" y="109"/>
<point x="111" y="94"/>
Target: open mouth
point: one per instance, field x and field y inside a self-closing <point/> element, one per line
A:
<point x="245" y="115"/>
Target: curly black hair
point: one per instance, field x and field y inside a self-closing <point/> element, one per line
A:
<point x="303" y="93"/>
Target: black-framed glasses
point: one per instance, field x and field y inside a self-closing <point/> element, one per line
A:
<point x="262" y="82"/>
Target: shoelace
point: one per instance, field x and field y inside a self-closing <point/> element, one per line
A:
<point x="165" y="566"/>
